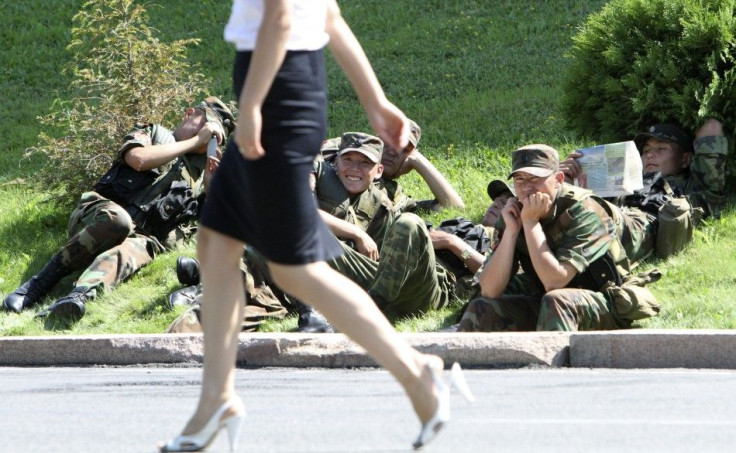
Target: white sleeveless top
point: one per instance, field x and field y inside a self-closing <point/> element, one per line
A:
<point x="308" y="19"/>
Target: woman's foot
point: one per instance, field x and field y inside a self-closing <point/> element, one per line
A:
<point x="198" y="434"/>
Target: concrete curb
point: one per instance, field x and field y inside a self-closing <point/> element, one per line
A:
<point x="618" y="349"/>
<point x="654" y="349"/>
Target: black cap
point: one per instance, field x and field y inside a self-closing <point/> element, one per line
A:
<point x="667" y="133"/>
<point x="498" y="187"/>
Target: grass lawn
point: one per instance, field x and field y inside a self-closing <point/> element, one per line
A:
<point x="481" y="78"/>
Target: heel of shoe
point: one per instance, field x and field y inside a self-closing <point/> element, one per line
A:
<point x="441" y="415"/>
<point x="233" y="426"/>
<point x="202" y="439"/>
<point x="457" y="380"/>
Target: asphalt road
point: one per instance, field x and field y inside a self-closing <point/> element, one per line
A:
<point x="327" y="410"/>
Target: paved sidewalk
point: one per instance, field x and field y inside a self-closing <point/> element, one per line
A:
<point x="616" y="349"/>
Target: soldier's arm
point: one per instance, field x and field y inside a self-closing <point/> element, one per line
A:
<point x="441" y="188"/>
<point x="709" y="161"/>
<point x="442" y="240"/>
<point x="347" y="231"/>
<point x="553" y="273"/>
<point x="142" y="158"/>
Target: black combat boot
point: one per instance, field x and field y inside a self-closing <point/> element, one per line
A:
<point x="312" y="321"/>
<point x="70" y="307"/>
<point x="187" y="271"/>
<point x="184" y="296"/>
<point x="32" y="291"/>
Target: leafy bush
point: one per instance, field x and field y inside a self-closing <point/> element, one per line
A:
<point x="121" y="74"/>
<point x="640" y="62"/>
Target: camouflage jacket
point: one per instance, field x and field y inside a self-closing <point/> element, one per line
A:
<point x="189" y="167"/>
<point x="578" y="232"/>
<point x="704" y="184"/>
<point x="134" y="190"/>
<point x="402" y="202"/>
<point x="372" y="211"/>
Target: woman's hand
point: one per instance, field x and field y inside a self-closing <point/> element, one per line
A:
<point x="248" y="133"/>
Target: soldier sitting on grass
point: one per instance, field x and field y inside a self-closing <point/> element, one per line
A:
<point x="555" y="252"/>
<point x="397" y="163"/>
<point x="133" y="212"/>
<point x="387" y="252"/>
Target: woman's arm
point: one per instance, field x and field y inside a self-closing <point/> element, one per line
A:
<point x="388" y="121"/>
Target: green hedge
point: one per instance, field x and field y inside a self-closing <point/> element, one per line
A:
<point x="639" y="62"/>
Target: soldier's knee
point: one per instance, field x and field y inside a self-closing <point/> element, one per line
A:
<point x="556" y="300"/>
<point x="408" y="224"/>
<point x="119" y="223"/>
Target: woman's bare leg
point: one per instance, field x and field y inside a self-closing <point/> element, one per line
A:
<point x="351" y="310"/>
<point x="222" y="313"/>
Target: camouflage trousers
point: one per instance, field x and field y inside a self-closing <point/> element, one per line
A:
<point x="567" y="309"/>
<point x="407" y="280"/>
<point x="103" y="242"/>
<point x="639" y="234"/>
<point x="263" y="299"/>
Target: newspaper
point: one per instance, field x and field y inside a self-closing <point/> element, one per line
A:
<point x="610" y="170"/>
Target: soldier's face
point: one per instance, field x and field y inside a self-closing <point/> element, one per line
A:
<point x="392" y="159"/>
<point x="193" y="122"/>
<point x="526" y="184"/>
<point x="494" y="210"/>
<point x="664" y="157"/>
<point x="357" y="172"/>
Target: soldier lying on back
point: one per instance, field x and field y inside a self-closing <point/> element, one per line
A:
<point x="134" y="211"/>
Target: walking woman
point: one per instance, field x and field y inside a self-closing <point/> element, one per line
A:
<point x="260" y="195"/>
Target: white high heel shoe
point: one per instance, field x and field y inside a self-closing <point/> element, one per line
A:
<point x="442" y="413"/>
<point x="202" y="439"/>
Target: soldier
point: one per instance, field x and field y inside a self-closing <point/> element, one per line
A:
<point x="392" y="258"/>
<point x="696" y="169"/>
<point x="386" y="252"/>
<point x="567" y="247"/>
<point x="397" y="163"/>
<point x="118" y="227"/>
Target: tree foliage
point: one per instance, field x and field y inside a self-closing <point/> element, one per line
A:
<point x="121" y="74"/>
<point x="640" y="62"/>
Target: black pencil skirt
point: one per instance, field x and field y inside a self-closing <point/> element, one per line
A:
<point x="267" y="203"/>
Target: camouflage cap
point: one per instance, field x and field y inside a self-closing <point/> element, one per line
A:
<point x="368" y="145"/>
<point x="666" y="133"/>
<point x="415" y="133"/>
<point x="498" y="187"/>
<point x="216" y="110"/>
<point x="538" y="160"/>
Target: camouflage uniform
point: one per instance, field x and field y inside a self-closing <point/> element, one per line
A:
<point x="104" y="238"/>
<point x="263" y="299"/>
<point x="407" y="279"/>
<point x="579" y="232"/>
<point x="391" y="188"/>
<point x="704" y="184"/>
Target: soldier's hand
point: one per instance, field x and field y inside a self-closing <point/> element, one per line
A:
<point x="511" y="214"/>
<point x="571" y="167"/>
<point x="367" y="246"/>
<point x="443" y="240"/>
<point x="535" y="207"/>
<point x="209" y="129"/>
<point x="408" y="164"/>
<point x="248" y="134"/>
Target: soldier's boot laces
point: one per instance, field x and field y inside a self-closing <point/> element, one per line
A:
<point x="69" y="308"/>
<point x="32" y="291"/>
<point x="312" y="321"/>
